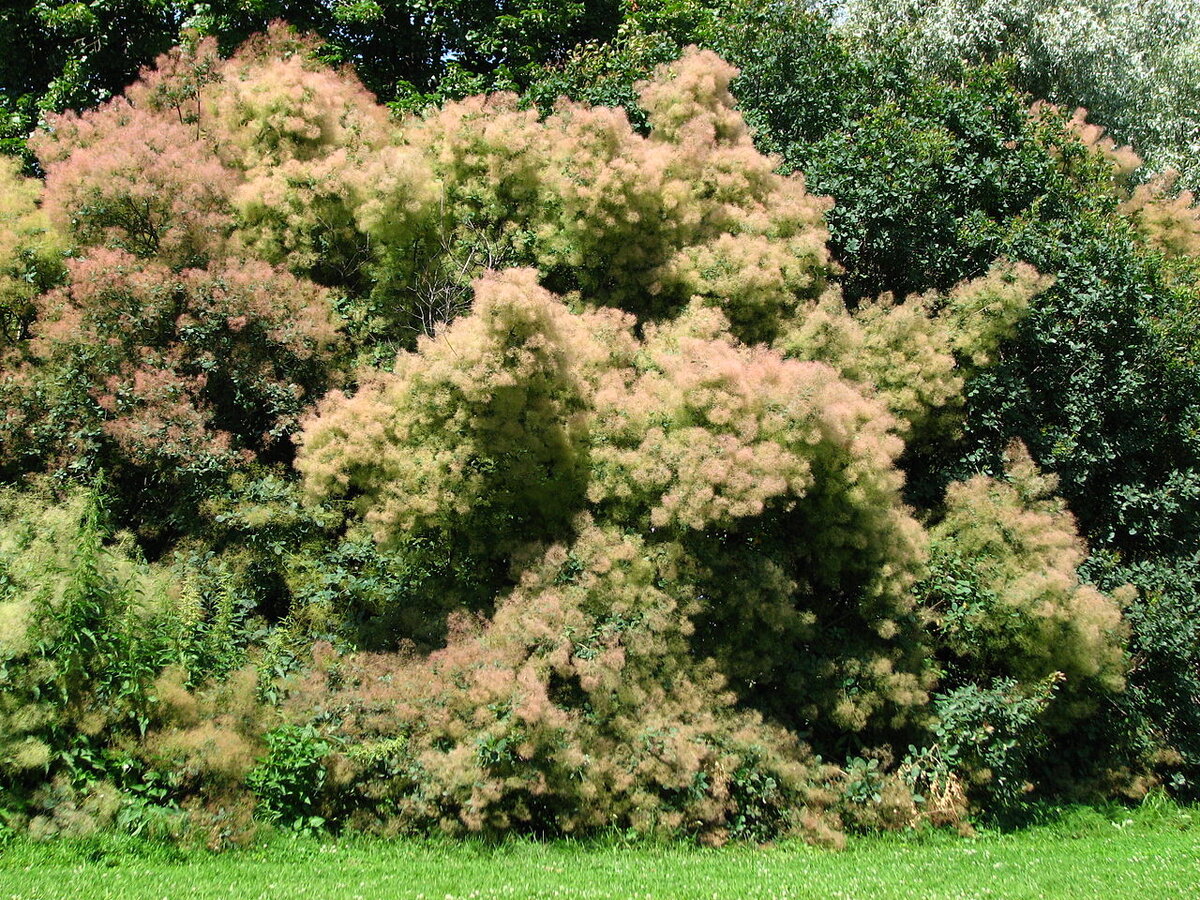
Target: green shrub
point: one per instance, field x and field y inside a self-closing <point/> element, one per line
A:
<point x="289" y="781"/>
<point x="87" y="625"/>
<point x="992" y="734"/>
<point x="1157" y="720"/>
<point x="1109" y="57"/>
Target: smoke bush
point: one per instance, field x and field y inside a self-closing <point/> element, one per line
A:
<point x="578" y="706"/>
<point x="30" y="252"/>
<point x="1005" y="587"/>
<point x="748" y="494"/>
<point x="635" y="459"/>
<point x="183" y="375"/>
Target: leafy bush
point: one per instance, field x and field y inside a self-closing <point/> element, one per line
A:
<point x="168" y="380"/>
<point x="932" y="179"/>
<point x="577" y="707"/>
<point x="1004" y="590"/>
<point x="29" y="254"/>
<point x="1156" y="717"/>
<point x="85" y="630"/>
<point x="529" y="424"/>
<point x="289" y="781"/>
<point x="992" y="735"/>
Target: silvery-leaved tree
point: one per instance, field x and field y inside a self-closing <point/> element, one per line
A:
<point x="1131" y="63"/>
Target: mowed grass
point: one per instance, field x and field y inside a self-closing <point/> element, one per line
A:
<point x="1150" y="854"/>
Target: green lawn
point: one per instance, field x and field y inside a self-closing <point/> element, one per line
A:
<point x="1149" y="854"/>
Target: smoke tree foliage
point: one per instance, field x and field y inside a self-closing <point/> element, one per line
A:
<point x="593" y="399"/>
<point x="1131" y="63"/>
<point x="933" y="177"/>
<point x="168" y="355"/>
<point x="1015" y="593"/>
<point x="30" y="253"/>
<point x="695" y="394"/>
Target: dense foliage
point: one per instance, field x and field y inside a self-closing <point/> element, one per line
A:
<point x="545" y="464"/>
<point x="61" y="54"/>
<point x="931" y="179"/>
<point x="1131" y="63"/>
